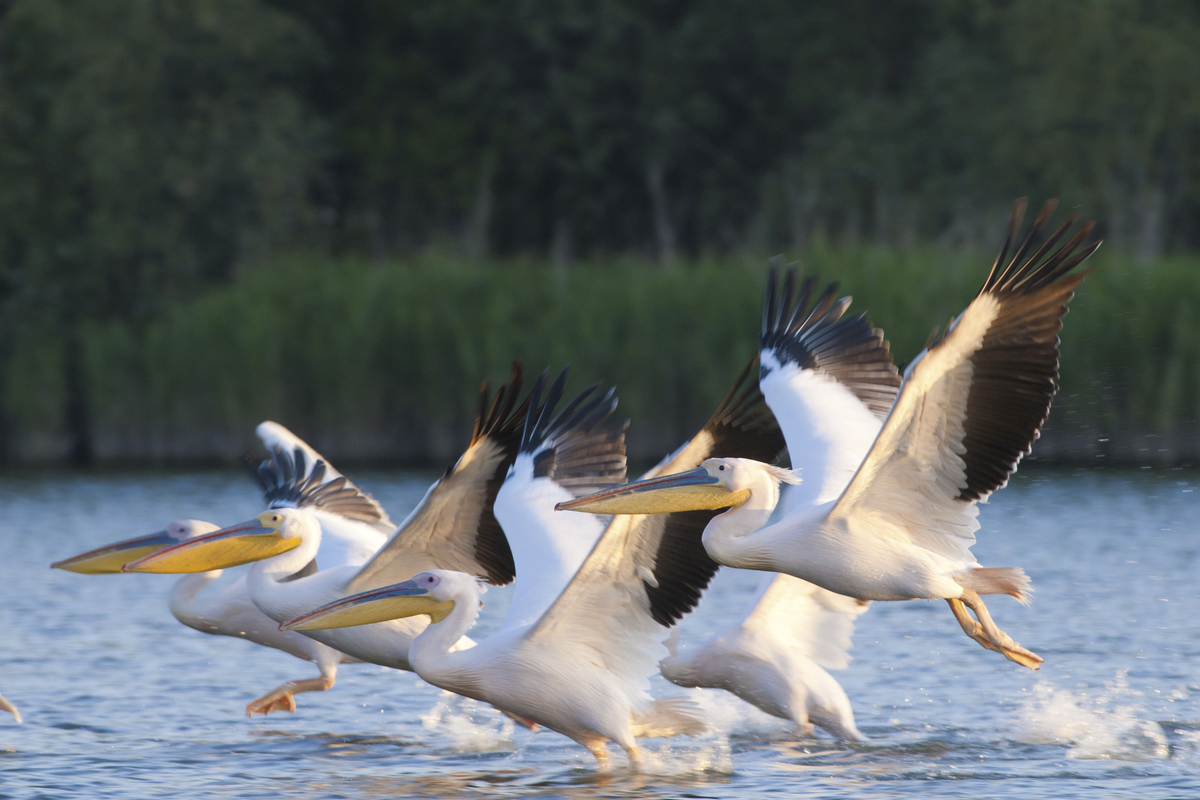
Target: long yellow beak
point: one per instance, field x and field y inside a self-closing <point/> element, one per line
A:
<point x="694" y="490"/>
<point x="229" y="547"/>
<point x="109" y="559"/>
<point x="397" y="601"/>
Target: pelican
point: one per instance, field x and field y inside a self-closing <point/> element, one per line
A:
<point x="829" y="381"/>
<point x="453" y="527"/>
<point x="229" y="611"/>
<point x="581" y="665"/>
<point x="969" y="407"/>
<point x="10" y="708"/>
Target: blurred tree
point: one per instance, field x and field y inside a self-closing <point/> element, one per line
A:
<point x="145" y="147"/>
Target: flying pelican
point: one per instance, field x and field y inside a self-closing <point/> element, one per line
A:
<point x="581" y="666"/>
<point x="453" y="527"/>
<point x="969" y="408"/>
<point x="358" y="523"/>
<point x="10" y="708"/>
<point x="830" y="382"/>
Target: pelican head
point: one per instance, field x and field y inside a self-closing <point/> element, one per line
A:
<point x="717" y="483"/>
<point x="432" y="592"/>
<point x="269" y="534"/>
<point x="109" y="559"/>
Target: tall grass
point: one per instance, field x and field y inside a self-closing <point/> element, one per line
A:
<point x="382" y="361"/>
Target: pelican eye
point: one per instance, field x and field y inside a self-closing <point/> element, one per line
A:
<point x="721" y="468"/>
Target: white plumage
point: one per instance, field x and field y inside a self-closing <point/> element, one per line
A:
<point x="969" y="408"/>
<point x="229" y="610"/>
<point x="829" y="381"/>
<point x="580" y="663"/>
<point x="453" y="527"/>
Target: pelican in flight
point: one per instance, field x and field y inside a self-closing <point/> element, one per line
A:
<point x="359" y="523"/>
<point x="830" y="381"/>
<point x="969" y="407"/>
<point x="453" y="527"/>
<point x="577" y="662"/>
<point x="10" y="708"/>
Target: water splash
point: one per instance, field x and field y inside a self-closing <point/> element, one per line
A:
<point x="470" y="726"/>
<point x="1105" y="727"/>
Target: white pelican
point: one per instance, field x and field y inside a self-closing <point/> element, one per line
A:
<point x="228" y="610"/>
<point x="453" y="527"/>
<point x="10" y="708"/>
<point x="830" y="382"/>
<point x="969" y="408"/>
<point x="581" y="665"/>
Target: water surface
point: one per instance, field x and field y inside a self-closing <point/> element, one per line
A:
<point x="120" y="700"/>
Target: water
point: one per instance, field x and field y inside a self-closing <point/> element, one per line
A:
<point x="122" y="701"/>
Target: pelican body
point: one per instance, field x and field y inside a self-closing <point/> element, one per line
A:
<point x="580" y="664"/>
<point x="229" y="610"/>
<point x="968" y="409"/>
<point x="453" y="526"/>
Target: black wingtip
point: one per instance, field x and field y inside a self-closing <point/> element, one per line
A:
<point x="579" y="447"/>
<point x="815" y="334"/>
<point x="1020" y="275"/>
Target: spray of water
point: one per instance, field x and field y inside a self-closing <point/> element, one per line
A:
<point x="471" y="727"/>
<point x="1107" y="726"/>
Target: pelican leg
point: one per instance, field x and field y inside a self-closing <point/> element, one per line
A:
<point x="282" y="699"/>
<point x="528" y="724"/>
<point x="635" y="757"/>
<point x="10" y="708"/>
<point x="998" y="640"/>
<point x="600" y="751"/>
<point x="968" y="623"/>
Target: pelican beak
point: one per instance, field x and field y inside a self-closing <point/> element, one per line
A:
<point x="397" y="601"/>
<point x="694" y="490"/>
<point x="229" y="547"/>
<point x="109" y="560"/>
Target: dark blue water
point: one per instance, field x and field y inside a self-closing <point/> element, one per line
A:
<point x="122" y="701"/>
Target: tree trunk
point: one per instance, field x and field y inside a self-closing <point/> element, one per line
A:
<point x="664" y="233"/>
<point x="76" y="417"/>
<point x="481" y="217"/>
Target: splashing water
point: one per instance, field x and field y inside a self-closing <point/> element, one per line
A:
<point x="470" y="726"/>
<point x="1105" y="727"/>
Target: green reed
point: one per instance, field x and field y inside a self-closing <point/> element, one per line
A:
<point x="383" y="360"/>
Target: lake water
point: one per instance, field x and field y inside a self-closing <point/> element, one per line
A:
<point x="122" y="701"/>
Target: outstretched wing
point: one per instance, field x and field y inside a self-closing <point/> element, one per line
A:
<point x="276" y="437"/>
<point x="800" y="616"/>
<point x="828" y="378"/>
<point x="577" y="451"/>
<point x="741" y="427"/>
<point x="972" y="404"/>
<point x="648" y="571"/>
<point x="454" y="527"/>
<point x="289" y="479"/>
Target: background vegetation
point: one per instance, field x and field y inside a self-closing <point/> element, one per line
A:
<point x="344" y="214"/>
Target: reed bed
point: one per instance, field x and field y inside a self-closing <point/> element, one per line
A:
<point x="382" y="361"/>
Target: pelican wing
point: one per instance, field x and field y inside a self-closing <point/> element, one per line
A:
<point x="648" y="571"/>
<point x="604" y="613"/>
<point x="792" y="613"/>
<point x="971" y="404"/>
<point x="742" y="427"/>
<point x="276" y="437"/>
<point x="829" y="379"/>
<point x="290" y="480"/>
<point x="578" y="451"/>
<point x="454" y="527"/>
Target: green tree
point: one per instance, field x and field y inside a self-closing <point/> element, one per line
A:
<point x="146" y="147"/>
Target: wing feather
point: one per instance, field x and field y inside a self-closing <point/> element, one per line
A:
<point x="454" y="526"/>
<point x="579" y="451"/>
<point x="829" y="379"/>
<point x="289" y="478"/>
<point x="972" y="404"/>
